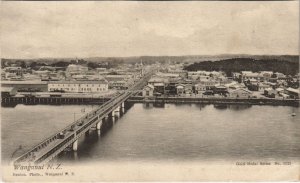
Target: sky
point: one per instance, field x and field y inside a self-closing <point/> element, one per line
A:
<point x="133" y="28"/>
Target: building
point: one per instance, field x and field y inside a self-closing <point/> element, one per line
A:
<point x="159" y="88"/>
<point x="200" y="88"/>
<point x="236" y="75"/>
<point x="42" y="73"/>
<point x="293" y="93"/>
<point x="188" y="89"/>
<point x="179" y="89"/>
<point x="101" y="69"/>
<point x="159" y="84"/>
<point x="266" y="74"/>
<point x="220" y="89"/>
<point x="148" y="91"/>
<point x="76" y="69"/>
<point x="270" y="92"/>
<point x="262" y="87"/>
<point x="209" y="83"/>
<point x="40" y="86"/>
<point x="234" y="85"/>
<point x="78" y="86"/>
<point x="279" y="90"/>
<point x="247" y="75"/>
<point x="119" y="81"/>
<point x="12" y="76"/>
<point x="240" y="93"/>
<point x="8" y="91"/>
<point x="17" y="70"/>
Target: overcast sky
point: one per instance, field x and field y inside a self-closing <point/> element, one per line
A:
<point x="88" y="29"/>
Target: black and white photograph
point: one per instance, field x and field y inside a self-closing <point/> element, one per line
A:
<point x="150" y="91"/>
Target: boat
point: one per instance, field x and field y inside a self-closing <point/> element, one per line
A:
<point x="293" y="114"/>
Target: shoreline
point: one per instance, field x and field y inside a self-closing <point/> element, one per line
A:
<point x="13" y="101"/>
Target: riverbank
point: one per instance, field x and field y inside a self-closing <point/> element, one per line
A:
<point x="217" y="100"/>
<point x="33" y="100"/>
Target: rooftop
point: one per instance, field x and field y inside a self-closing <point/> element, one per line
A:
<point x="79" y="82"/>
<point x="293" y="90"/>
<point x="6" y="89"/>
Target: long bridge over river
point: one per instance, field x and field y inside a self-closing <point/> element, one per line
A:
<point x="68" y="137"/>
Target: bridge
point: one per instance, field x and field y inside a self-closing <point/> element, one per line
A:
<point x="68" y="137"/>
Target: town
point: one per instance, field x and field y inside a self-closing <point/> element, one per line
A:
<point x="80" y="78"/>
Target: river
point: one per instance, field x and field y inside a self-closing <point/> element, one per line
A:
<point x="183" y="132"/>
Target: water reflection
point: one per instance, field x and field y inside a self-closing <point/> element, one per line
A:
<point x="239" y="107"/>
<point x="159" y="105"/>
<point x="201" y="106"/>
<point x="220" y="106"/>
<point x="147" y="105"/>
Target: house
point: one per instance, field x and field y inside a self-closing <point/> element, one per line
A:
<point x="119" y="81"/>
<point x="279" y="90"/>
<point x="12" y="76"/>
<point x="72" y="68"/>
<point x="266" y="74"/>
<point x="262" y="87"/>
<point x="42" y="73"/>
<point x="159" y="84"/>
<point x="252" y="81"/>
<point x="270" y="92"/>
<point x="172" y="82"/>
<point x="234" y="85"/>
<point x="220" y="89"/>
<point x="283" y="95"/>
<point x="240" y="93"/>
<point x="159" y="88"/>
<point x="236" y="75"/>
<point x="200" y="88"/>
<point x="293" y="93"/>
<point x="209" y="83"/>
<point x="188" y="89"/>
<point x="246" y="75"/>
<point x="148" y="90"/>
<point x="17" y="70"/>
<point x="179" y="89"/>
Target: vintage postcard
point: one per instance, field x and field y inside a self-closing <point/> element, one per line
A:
<point x="150" y="91"/>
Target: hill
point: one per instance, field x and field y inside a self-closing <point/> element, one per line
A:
<point x="247" y="64"/>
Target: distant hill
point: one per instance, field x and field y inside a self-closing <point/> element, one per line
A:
<point x="288" y="67"/>
<point x="188" y="59"/>
<point x="184" y="58"/>
<point x="195" y="58"/>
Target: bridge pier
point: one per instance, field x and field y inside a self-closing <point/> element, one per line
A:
<point x="75" y="145"/>
<point x="121" y="110"/>
<point x="99" y="133"/>
<point x="98" y="125"/>
<point x="112" y="114"/>
<point x="117" y="112"/>
<point x="87" y="133"/>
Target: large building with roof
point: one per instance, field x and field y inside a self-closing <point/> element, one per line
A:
<point x="96" y="86"/>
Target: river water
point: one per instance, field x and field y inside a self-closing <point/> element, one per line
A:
<point x="184" y="132"/>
